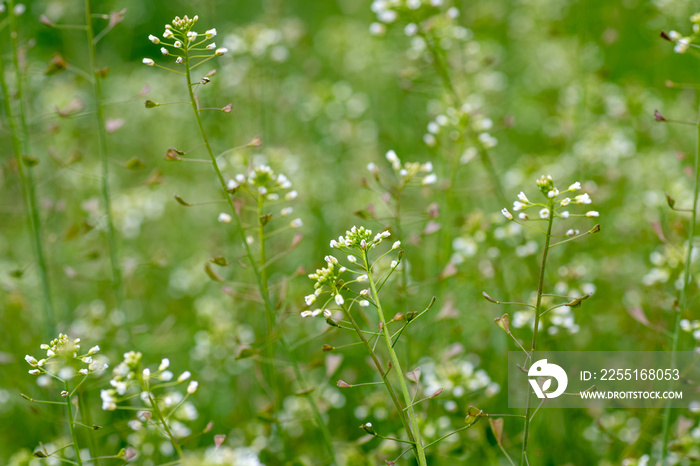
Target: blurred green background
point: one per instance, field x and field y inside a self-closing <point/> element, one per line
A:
<point x="570" y="86"/>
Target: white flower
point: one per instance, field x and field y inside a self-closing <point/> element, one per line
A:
<point x="93" y="350"/>
<point x="146" y="373"/>
<point x="352" y="258"/>
<point x="575" y="187"/>
<point x="168" y="34"/>
<point x="291" y="195"/>
<point x="523" y="216"/>
<point x="339" y="299"/>
<point x="310" y="299"/>
<point x="523" y="198"/>
<point x="377" y="29"/>
<point x="411" y="29"/>
<point x="396" y="245"/>
<point x="517" y="205"/>
<point x="184" y="376"/>
<point x="364" y="293"/>
<point x="153" y="39"/>
<point x="164" y="364"/>
<point x="83" y="371"/>
<point x="191" y="35"/>
<point x="177" y="44"/>
<point x="286" y="211"/>
<point x="327" y="314"/>
<point x="452" y="12"/>
<point x="565" y="202"/>
<point x="296" y="223"/>
<point x="592" y="213"/>
<point x="220" y="51"/>
<point x="334" y="244"/>
<point x="583" y="199"/>
<point x="553" y="193"/>
<point x="192" y="387"/>
<point x="209" y="33"/>
<point x="306" y="313"/>
<point x="225" y="218"/>
<point x="34" y="372"/>
<point x="372" y="168"/>
<point x="544" y="213"/>
<point x="148" y="62"/>
<point x="572" y="232"/>
<point x="394" y="264"/>
<point x="387" y="16"/>
<point x="430" y="179"/>
<point x="109" y="402"/>
<point x="362" y="278"/>
<point x="164" y="51"/>
<point x="179" y="60"/>
<point x="564" y="214"/>
<point x="31" y="360"/>
<point x="364" y="303"/>
<point x="391" y="156"/>
<point x="211" y="46"/>
<point x="506" y="214"/>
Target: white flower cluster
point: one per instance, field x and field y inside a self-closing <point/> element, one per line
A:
<point x="455" y="122"/>
<point x="459" y="377"/>
<point x="684" y="42"/>
<point x="693" y="327"/>
<point x="262" y="181"/>
<point x="417" y="11"/>
<point x="408" y="171"/>
<point x="357" y="239"/>
<point x="179" y="39"/>
<point x="260" y="41"/>
<point x="63" y="348"/>
<point x="130" y="374"/>
<point x="553" y="205"/>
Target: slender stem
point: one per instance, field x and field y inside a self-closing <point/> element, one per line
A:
<point x="420" y="453"/>
<point x="269" y="308"/>
<point x="104" y="159"/>
<point x="159" y="415"/>
<point x="382" y="372"/>
<point x="682" y="302"/>
<point x="540" y="286"/>
<point x="264" y="290"/>
<point x="20" y="146"/>
<point x="71" y="427"/>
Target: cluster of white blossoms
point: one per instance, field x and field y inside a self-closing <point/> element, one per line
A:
<point x="459" y="378"/>
<point x="414" y="11"/>
<point x="263" y="182"/>
<point x="554" y="206"/>
<point x="130" y="374"/>
<point x="407" y="172"/>
<point x="64" y="349"/>
<point x="358" y="241"/>
<point x="179" y="40"/>
<point x="684" y="42"/>
<point x="691" y="326"/>
<point x="458" y="123"/>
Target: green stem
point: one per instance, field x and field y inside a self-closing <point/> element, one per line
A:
<point x="71" y="427"/>
<point x="104" y="158"/>
<point x="269" y="317"/>
<point x="159" y="415"/>
<point x="419" y="449"/>
<point x="383" y="373"/>
<point x="682" y="302"/>
<point x="540" y="286"/>
<point x="269" y="308"/>
<point x="20" y="146"/>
